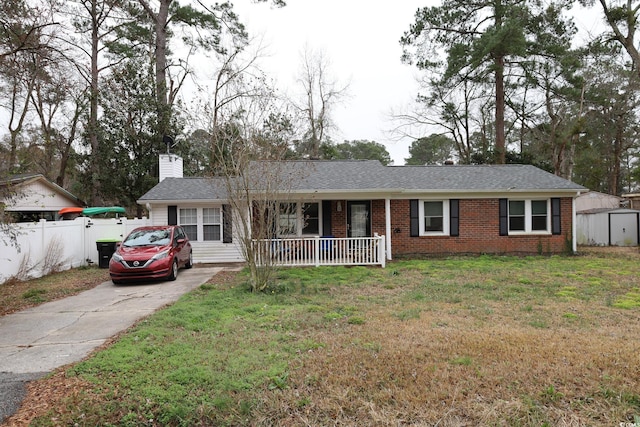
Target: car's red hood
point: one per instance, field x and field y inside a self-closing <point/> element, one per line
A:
<point x="140" y="252"/>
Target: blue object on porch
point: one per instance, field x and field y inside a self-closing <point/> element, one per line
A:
<point x="326" y="246"/>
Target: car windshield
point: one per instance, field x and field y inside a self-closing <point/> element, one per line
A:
<point x="148" y="238"/>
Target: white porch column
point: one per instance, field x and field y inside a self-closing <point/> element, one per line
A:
<point x="387" y="219"/>
<point x="574" y="232"/>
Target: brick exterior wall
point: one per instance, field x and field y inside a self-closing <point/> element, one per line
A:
<point x="479" y="231"/>
<point x="338" y="219"/>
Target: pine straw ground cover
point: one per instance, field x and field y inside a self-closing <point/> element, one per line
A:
<point x="450" y="342"/>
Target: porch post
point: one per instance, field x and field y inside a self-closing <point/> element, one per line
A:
<point x="387" y="219"/>
<point x="574" y="232"/>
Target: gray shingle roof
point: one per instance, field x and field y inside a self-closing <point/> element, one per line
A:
<point x="479" y="177"/>
<point x="187" y="189"/>
<point x="371" y="175"/>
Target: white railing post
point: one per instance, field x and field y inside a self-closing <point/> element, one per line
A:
<point x="316" y="254"/>
<point x="381" y="252"/>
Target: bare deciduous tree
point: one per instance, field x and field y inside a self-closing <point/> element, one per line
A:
<point x="320" y="94"/>
<point x="250" y="136"/>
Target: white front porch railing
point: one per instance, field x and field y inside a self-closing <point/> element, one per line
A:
<point x="317" y="251"/>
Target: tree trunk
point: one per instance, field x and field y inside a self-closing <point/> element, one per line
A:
<point x="627" y="41"/>
<point x="160" y="22"/>
<point x="614" y="176"/>
<point x="93" y="107"/>
<point x="500" y="137"/>
<point x="161" y="68"/>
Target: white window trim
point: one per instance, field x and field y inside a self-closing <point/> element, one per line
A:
<point x="300" y="219"/>
<point x="200" y="222"/>
<point x="446" y="221"/>
<point x="528" y="218"/>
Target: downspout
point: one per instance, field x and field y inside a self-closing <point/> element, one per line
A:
<point x="387" y="220"/>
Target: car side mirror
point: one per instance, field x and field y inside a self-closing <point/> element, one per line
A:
<point x="180" y="241"/>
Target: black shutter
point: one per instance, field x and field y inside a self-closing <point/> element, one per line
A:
<point x="454" y="217"/>
<point x="173" y="215"/>
<point x="414" y="218"/>
<point x="227" y="224"/>
<point x="556" y="227"/>
<point x="504" y="217"/>
<point x="326" y="218"/>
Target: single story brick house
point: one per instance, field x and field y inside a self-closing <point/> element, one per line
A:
<point x="418" y="210"/>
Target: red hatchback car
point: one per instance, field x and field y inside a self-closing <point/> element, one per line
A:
<point x="150" y="253"/>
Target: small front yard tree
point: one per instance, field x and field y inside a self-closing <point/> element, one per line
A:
<point x="257" y="183"/>
<point x="249" y="131"/>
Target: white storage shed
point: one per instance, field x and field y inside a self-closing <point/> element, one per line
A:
<point x="608" y="227"/>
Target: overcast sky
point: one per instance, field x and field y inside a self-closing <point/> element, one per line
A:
<point x="361" y="40"/>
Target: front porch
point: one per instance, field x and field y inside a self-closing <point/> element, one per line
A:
<point x="317" y="251"/>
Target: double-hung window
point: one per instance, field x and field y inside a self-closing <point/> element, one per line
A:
<point x="434" y="217"/>
<point x="310" y="218"/>
<point x="529" y="216"/>
<point x="212" y="223"/>
<point x="539" y="215"/>
<point x="299" y="219"/>
<point x="189" y="222"/>
<point x="287" y="219"/>
<point x="202" y="224"/>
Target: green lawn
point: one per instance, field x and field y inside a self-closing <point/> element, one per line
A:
<point x="461" y="341"/>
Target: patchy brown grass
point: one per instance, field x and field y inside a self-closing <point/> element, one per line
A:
<point x="18" y="295"/>
<point x="447" y="370"/>
<point x="483" y="345"/>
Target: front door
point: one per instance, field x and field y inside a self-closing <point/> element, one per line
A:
<point x="358" y="219"/>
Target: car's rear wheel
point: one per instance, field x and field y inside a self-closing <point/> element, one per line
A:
<point x="173" y="274"/>
<point x="189" y="263"/>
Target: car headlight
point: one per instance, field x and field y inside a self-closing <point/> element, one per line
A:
<point x="160" y="255"/>
<point x="116" y="257"/>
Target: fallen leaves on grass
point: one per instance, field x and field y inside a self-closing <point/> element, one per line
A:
<point x="48" y="395"/>
<point x="19" y="295"/>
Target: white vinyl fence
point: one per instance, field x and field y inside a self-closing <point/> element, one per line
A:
<point x="60" y="245"/>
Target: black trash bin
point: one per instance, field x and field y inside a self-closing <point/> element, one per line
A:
<point x="106" y="248"/>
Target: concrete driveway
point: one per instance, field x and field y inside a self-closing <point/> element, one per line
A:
<point x="36" y="341"/>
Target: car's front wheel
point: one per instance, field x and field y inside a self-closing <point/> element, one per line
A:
<point x="173" y="274"/>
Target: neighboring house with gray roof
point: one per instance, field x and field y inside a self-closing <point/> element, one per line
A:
<point x="421" y="210"/>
